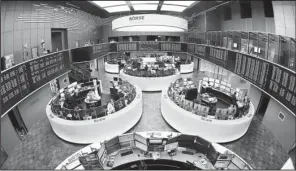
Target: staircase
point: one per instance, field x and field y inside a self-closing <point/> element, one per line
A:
<point x="78" y="74"/>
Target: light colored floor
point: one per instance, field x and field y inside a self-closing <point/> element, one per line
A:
<point x="42" y="149"/>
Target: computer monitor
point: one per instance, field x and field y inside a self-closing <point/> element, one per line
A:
<point x="191" y="94"/>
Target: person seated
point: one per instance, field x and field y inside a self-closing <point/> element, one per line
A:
<point x="110" y="107"/>
<point x="76" y="113"/>
<point x="92" y="97"/>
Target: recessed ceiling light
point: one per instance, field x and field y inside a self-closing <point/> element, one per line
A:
<point x="144" y="7"/>
<point x="144" y="2"/>
<point x="109" y="3"/>
<point x="183" y="3"/>
<point x="117" y="8"/>
<point x="172" y="8"/>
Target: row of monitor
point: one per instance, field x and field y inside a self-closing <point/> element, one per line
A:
<point x="135" y="140"/>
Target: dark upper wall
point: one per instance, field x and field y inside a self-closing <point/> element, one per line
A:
<point x="22" y="24"/>
<point x="258" y="22"/>
<point x="215" y="19"/>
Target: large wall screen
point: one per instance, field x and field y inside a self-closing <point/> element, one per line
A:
<point x="21" y="80"/>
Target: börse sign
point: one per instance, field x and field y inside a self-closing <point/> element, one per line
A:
<point x="136" y="18"/>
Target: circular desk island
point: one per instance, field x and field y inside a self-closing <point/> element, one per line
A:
<point x="112" y="68"/>
<point x="196" y="121"/>
<point x="186" y="68"/>
<point x="154" y="150"/>
<point x="150" y="83"/>
<point x="127" y="112"/>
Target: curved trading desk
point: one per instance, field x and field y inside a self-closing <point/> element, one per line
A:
<point x="150" y="83"/>
<point x="208" y="127"/>
<point x="186" y="68"/>
<point x="154" y="150"/>
<point x="96" y="130"/>
<point x="111" y="68"/>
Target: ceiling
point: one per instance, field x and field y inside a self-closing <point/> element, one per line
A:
<point x="140" y="7"/>
<point x="113" y="7"/>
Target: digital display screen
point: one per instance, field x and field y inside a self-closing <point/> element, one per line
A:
<point x="126" y="47"/>
<point x="19" y="81"/>
<point x="275" y="80"/>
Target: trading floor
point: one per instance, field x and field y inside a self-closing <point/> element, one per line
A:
<point x="258" y="146"/>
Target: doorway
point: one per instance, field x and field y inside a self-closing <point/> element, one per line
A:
<point x="18" y="123"/>
<point x="59" y="39"/>
<point x="262" y="106"/>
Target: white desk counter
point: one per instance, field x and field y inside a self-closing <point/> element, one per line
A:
<point x="72" y="162"/>
<point x="97" y="130"/>
<point x="150" y="83"/>
<point x="213" y="130"/>
<point x="112" y="68"/>
<point x="186" y="68"/>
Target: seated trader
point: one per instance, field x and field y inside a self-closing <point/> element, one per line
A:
<point x="92" y="97"/>
<point x="110" y="107"/>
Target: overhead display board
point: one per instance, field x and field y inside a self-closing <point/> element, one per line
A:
<point x="21" y="80"/>
<point x="273" y="79"/>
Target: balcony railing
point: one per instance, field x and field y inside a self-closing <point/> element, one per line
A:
<point x="275" y="48"/>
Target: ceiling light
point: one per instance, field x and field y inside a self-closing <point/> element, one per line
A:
<point x="183" y="3"/>
<point x="144" y="2"/>
<point x="172" y="8"/>
<point x="145" y="7"/>
<point x="117" y="8"/>
<point x="109" y="3"/>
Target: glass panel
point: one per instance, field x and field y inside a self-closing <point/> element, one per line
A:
<point x="273" y="48"/>
<point x="244" y="42"/>
<point x="262" y="45"/>
<point x="284" y="51"/>
<point x="209" y="34"/>
<point x="219" y="39"/>
<point x="214" y="38"/>
<point x="229" y="39"/>
<point x="253" y="43"/>
<point x="292" y="60"/>
<point x="224" y="34"/>
<point x="236" y="41"/>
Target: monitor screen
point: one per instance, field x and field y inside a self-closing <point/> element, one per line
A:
<point x="141" y="146"/>
<point x="171" y="146"/>
<point x="140" y="138"/>
<point x="191" y="94"/>
<point x="126" y="137"/>
<point x="173" y="139"/>
<point x="113" y="148"/>
<point x="112" y="142"/>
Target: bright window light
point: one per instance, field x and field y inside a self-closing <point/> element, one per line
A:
<point x="172" y="8"/>
<point x="142" y="7"/>
<point x="117" y="8"/>
<point x="183" y="3"/>
<point x="144" y="2"/>
<point x="109" y="3"/>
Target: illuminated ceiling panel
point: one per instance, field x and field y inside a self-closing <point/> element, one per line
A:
<point x="145" y="7"/>
<point x="109" y="3"/>
<point x="117" y="8"/>
<point x="172" y="8"/>
<point x="144" y="2"/>
<point x="182" y="3"/>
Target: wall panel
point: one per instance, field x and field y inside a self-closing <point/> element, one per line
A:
<point x="11" y="138"/>
<point x="283" y="130"/>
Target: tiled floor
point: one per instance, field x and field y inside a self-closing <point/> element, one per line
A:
<point x="42" y="149"/>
